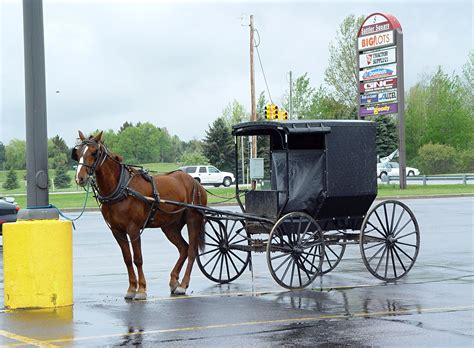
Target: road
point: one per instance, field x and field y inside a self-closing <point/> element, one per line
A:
<point x="432" y="305"/>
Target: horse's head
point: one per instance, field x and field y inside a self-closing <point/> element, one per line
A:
<point x="90" y="154"/>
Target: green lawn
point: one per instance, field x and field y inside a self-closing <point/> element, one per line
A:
<point x="76" y="200"/>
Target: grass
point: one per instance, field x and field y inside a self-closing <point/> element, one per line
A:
<point x="76" y="200"/>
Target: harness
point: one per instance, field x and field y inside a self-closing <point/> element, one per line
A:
<point x="122" y="190"/>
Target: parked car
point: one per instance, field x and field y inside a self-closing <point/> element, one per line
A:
<point x="393" y="169"/>
<point x="209" y="175"/>
<point x="8" y="210"/>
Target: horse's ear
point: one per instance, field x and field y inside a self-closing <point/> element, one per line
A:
<point x="81" y="136"/>
<point x="98" y="137"/>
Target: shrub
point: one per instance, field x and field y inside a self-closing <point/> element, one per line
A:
<point x="62" y="180"/>
<point x="465" y="161"/>
<point x="194" y="157"/>
<point x="436" y="159"/>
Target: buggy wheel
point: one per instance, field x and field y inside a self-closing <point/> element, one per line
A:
<point x="295" y="250"/>
<point x="334" y="248"/>
<point x="389" y="240"/>
<point x="225" y="257"/>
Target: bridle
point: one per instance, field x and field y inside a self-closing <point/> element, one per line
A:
<point x="101" y="155"/>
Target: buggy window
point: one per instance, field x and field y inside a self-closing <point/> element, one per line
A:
<point x="300" y="141"/>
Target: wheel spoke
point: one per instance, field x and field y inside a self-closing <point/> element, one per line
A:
<point x="327" y="247"/>
<point x="281" y="264"/>
<point x="396" y="246"/>
<point x="378" y="251"/>
<point x="386" y="265"/>
<point x="406" y="244"/>
<point x="327" y="259"/>
<point x="399" y="219"/>
<point x="380" y="261"/>
<point x="227" y="265"/>
<point x="386" y="218"/>
<point x="406" y="224"/>
<point x="212" y="258"/>
<point x="218" y="234"/>
<point x="374" y="245"/>
<point x="215" y="240"/>
<point x="399" y="259"/>
<point x="230" y="251"/>
<point x="380" y="232"/>
<point x="239" y="241"/>
<point x="209" y="251"/>
<point x="304" y="270"/>
<point x="406" y="235"/>
<point x="278" y="256"/>
<point x="215" y="265"/>
<point x="393" y="217"/>
<point x="233" y="264"/>
<point x="393" y="263"/>
<point x="381" y="224"/>
<point x="222" y="265"/>
<point x="292" y="273"/>
<point x="287" y="268"/>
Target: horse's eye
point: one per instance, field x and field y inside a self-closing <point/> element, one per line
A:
<point x="94" y="154"/>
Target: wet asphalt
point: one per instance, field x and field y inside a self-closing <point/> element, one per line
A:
<point x="431" y="306"/>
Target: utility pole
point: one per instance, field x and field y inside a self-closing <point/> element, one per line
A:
<point x="253" y="116"/>
<point x="291" y="95"/>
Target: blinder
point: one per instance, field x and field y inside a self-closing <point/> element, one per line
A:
<point x="74" y="154"/>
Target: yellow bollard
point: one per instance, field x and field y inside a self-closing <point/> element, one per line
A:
<point x="37" y="264"/>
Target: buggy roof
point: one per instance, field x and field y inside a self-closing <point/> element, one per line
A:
<point x="291" y="127"/>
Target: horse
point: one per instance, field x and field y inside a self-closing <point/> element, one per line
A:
<point x="130" y="202"/>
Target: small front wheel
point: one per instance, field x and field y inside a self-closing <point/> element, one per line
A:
<point x="295" y="250"/>
<point x="226" y="255"/>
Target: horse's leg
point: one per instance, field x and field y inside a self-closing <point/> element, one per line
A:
<point x="173" y="233"/>
<point x="138" y="260"/>
<point x="195" y="226"/>
<point x="121" y="238"/>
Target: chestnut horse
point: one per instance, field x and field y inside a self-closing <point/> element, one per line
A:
<point x="130" y="199"/>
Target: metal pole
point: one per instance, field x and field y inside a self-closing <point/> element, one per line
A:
<point x="253" y="116"/>
<point x="401" y="111"/>
<point x="35" y="100"/>
<point x="291" y="95"/>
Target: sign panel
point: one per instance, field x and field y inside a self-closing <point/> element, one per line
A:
<point x="375" y="40"/>
<point x="381" y="109"/>
<point x="380" y="97"/>
<point x="379" y="57"/>
<point x="379" y="72"/>
<point x="371" y="86"/>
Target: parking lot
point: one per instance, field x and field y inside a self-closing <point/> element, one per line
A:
<point x="432" y="305"/>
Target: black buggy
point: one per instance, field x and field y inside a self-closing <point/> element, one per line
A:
<point x="323" y="183"/>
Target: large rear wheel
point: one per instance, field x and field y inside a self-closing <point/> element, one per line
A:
<point x="295" y="250"/>
<point x="389" y="240"/>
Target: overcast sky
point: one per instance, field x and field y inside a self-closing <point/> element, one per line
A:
<point x="178" y="64"/>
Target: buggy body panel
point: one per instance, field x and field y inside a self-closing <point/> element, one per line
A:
<point x="326" y="168"/>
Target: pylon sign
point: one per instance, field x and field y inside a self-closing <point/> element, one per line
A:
<point x="380" y="63"/>
<point x="380" y="66"/>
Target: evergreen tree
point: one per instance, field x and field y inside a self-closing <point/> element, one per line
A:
<point x="386" y="135"/>
<point x="218" y="147"/>
<point x="12" y="180"/>
<point x="62" y="179"/>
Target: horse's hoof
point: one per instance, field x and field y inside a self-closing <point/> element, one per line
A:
<point x="173" y="289"/>
<point x="130" y="295"/>
<point x="179" y="291"/>
<point x="140" y="296"/>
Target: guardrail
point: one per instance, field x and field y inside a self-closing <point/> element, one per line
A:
<point x="464" y="178"/>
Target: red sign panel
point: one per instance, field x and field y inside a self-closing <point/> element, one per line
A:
<point x="370" y="86"/>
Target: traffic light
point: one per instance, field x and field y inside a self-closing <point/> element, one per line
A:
<point x="282" y="115"/>
<point x="271" y="112"/>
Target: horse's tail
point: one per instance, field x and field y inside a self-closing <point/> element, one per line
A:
<point x="202" y="235"/>
<point x="201" y="199"/>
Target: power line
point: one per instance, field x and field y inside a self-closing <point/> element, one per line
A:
<point x="261" y="65"/>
